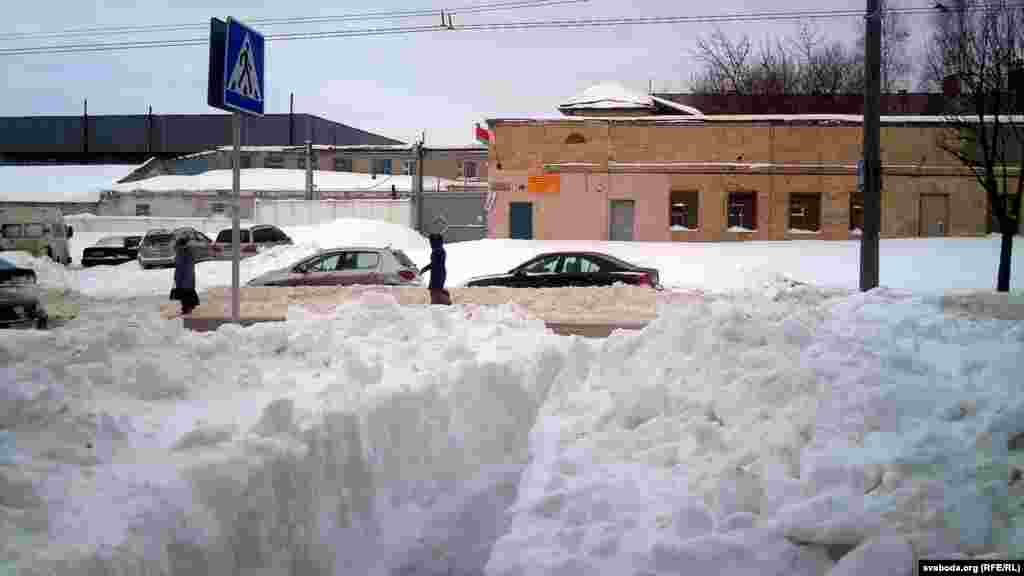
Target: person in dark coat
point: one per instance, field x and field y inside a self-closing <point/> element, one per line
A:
<point x="438" y="272"/>
<point x="185" y="277"/>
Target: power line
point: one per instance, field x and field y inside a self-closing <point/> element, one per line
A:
<point x="491" y="26"/>
<point x="295" y="20"/>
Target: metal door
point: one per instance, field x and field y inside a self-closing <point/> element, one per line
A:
<point x="620" y="224"/>
<point x="934" y="215"/>
<point x="460" y="216"/>
<point x="520" y="220"/>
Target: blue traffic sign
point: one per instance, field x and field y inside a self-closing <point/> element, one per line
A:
<point x="240" y="82"/>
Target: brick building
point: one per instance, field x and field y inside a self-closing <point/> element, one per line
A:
<point x="656" y="174"/>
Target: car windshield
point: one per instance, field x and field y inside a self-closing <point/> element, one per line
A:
<point x="6" y="265"/>
<point x="224" y="237"/>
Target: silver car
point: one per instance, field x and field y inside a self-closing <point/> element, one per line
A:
<point x="157" y="246"/>
<point x="345" y="267"/>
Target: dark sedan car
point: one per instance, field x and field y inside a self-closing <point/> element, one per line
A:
<point x="112" y="251"/>
<point x="19" y="305"/>
<point x="559" y="269"/>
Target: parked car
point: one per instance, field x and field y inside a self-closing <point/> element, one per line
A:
<point x="157" y="246"/>
<point x="112" y="251"/>
<point x="346" y="266"/>
<point x="558" y="269"/>
<point x="19" y="302"/>
<point x="250" y="241"/>
<point x="40" y="231"/>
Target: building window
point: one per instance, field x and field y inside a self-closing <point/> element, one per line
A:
<point x="469" y="169"/>
<point x="857" y="212"/>
<point x="805" y="213"/>
<point x="742" y="212"/>
<point x="217" y="207"/>
<point x="142" y="210"/>
<point x="274" y="161"/>
<point x="683" y="209"/>
<point x="343" y="164"/>
<point x="409" y="167"/>
<point x="246" y="162"/>
<point x="575" y="138"/>
<point x="382" y="165"/>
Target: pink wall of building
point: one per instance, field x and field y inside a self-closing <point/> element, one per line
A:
<point x="580" y="209"/>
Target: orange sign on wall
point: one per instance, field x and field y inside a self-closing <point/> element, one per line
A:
<point x="545" y="183"/>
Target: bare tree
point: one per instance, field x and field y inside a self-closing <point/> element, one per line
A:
<point x="826" y="68"/>
<point x="895" y="63"/>
<point x="977" y="52"/>
<point x="803" y="65"/>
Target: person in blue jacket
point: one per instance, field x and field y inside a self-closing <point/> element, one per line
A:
<point x="185" y="277"/>
<point x="438" y="272"/>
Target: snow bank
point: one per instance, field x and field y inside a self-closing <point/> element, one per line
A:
<point x="756" y="429"/>
<point x="776" y="429"/>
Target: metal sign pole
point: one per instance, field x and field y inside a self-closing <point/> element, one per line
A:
<point x="236" y="176"/>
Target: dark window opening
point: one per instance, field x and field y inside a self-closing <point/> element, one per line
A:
<point x="683" y="209"/>
<point x="742" y="211"/>
<point x="343" y="164"/>
<point x="805" y="212"/>
<point x="142" y="209"/>
<point x="575" y="138"/>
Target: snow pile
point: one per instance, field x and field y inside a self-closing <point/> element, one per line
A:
<point x="770" y="431"/>
<point x="744" y="431"/>
<point x="377" y="438"/>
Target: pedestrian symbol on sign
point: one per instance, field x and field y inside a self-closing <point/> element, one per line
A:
<point x="244" y="80"/>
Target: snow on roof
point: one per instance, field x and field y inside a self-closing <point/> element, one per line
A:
<point x="59" y="183"/>
<point x="277" y="179"/>
<point x="613" y="96"/>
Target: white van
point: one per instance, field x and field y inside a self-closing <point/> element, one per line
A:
<point x="40" y="231"/>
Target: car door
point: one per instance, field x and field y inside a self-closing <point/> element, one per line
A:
<point x="356" y="267"/>
<point x="579" y="270"/>
<point x="316" y="272"/>
<point x="542" y="273"/>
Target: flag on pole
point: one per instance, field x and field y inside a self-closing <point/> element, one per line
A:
<point x="483" y="135"/>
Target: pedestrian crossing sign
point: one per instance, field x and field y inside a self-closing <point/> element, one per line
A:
<point x="244" y="70"/>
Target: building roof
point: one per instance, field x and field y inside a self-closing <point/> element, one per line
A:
<point x="58" y="183"/>
<point x="612" y="96"/>
<point x="754" y="119"/>
<point x="918" y="103"/>
<point x="278" y="180"/>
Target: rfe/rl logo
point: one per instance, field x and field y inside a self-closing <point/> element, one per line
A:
<point x="244" y="81"/>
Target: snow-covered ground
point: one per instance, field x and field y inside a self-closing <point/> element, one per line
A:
<point x="761" y="429"/>
<point x="932" y="265"/>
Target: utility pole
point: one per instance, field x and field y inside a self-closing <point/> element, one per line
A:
<point x="872" y="152"/>
<point x="236" y="205"/>
<point x="309" y="170"/>
<point x="418" y="182"/>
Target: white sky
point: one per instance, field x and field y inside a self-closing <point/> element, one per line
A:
<point x="396" y="86"/>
